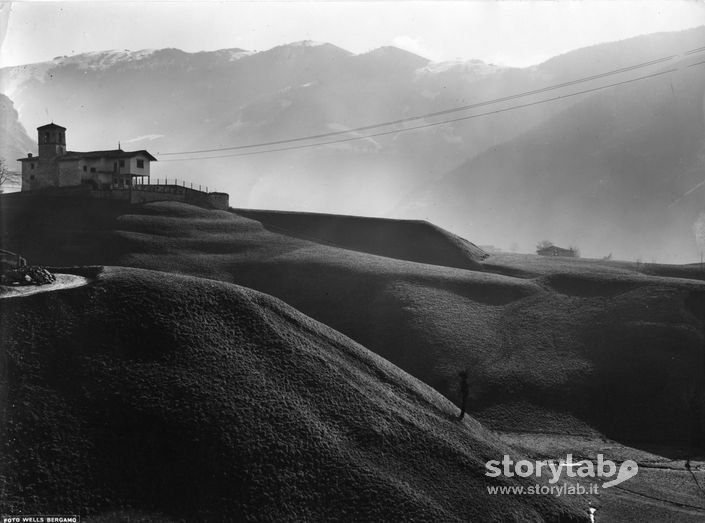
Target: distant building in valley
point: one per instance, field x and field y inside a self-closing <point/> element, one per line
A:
<point x="552" y="250"/>
<point x="57" y="167"/>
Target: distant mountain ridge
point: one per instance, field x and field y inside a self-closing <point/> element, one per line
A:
<point x="193" y="101"/>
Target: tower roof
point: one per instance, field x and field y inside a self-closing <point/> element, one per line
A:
<point x="51" y="125"/>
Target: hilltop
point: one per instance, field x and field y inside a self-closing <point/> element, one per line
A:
<point x="180" y="399"/>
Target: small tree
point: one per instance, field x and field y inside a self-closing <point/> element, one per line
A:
<point x="4" y="172"/>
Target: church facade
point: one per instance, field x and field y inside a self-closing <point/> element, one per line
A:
<point x="56" y="167"/>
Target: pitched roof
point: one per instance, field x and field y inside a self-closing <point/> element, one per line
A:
<point x="51" y="125"/>
<point x="112" y="153"/>
<point x="76" y="155"/>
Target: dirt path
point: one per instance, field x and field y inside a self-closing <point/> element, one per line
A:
<point x="63" y="281"/>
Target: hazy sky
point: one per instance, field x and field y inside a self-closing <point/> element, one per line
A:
<point x="510" y="33"/>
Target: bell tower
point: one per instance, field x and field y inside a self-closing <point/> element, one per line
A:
<point x="52" y="141"/>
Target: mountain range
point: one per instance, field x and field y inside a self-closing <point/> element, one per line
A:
<point x="614" y="170"/>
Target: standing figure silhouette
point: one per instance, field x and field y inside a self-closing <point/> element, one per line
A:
<point x="464" y="389"/>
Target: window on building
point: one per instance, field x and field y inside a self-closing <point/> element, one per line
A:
<point x="114" y="182"/>
<point x="140" y="164"/>
<point x="122" y="163"/>
<point x="31" y="166"/>
<point x="92" y="169"/>
<point x="31" y="177"/>
<point x="85" y="168"/>
<point x="46" y="137"/>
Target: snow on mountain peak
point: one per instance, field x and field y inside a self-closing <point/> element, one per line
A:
<point x="99" y="60"/>
<point x="471" y="69"/>
<point x="236" y="54"/>
<point x="307" y="43"/>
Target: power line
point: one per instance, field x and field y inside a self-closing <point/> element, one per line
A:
<point x="697" y="50"/>
<point x="424" y="126"/>
<point x="437" y="113"/>
<point x="428" y="115"/>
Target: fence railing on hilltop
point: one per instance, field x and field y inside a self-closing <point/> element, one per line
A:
<point x="162" y="189"/>
<point x="168" y="183"/>
<point x="175" y="189"/>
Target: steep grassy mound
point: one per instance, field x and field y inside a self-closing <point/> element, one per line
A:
<point x="413" y="240"/>
<point x="172" y="398"/>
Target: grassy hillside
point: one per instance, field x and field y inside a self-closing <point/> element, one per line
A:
<point x="170" y="398"/>
<point x="412" y="240"/>
<point x="572" y="345"/>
